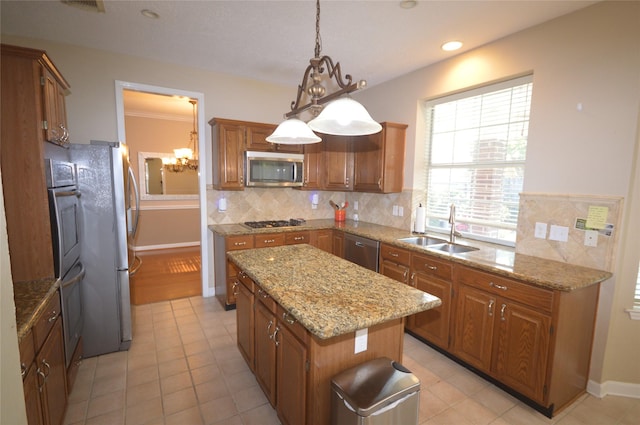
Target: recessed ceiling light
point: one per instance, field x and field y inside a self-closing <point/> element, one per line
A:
<point x="149" y="14"/>
<point x="408" y="4"/>
<point x="451" y="45"/>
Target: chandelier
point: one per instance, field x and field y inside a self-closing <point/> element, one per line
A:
<point x="185" y="158"/>
<point x="341" y="116"/>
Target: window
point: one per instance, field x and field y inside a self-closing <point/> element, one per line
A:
<point x="477" y="143"/>
<point x="636" y="298"/>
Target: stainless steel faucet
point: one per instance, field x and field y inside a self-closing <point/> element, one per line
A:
<point x="452" y="221"/>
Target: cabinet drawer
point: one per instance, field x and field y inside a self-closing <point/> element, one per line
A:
<point x="395" y="255"/>
<point x="297" y="237"/>
<point x="263" y="241"/>
<point x="239" y="242"/>
<point x="266" y="299"/>
<point x="517" y="291"/>
<point x="431" y="266"/>
<point x="27" y="352"/>
<point x="288" y="321"/>
<point x="46" y="321"/>
<point x="247" y="281"/>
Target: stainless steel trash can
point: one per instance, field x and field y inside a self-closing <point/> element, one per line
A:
<point x="378" y="392"/>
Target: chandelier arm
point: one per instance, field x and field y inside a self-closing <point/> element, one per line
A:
<point x="335" y="72"/>
<point x="302" y="87"/>
<point x="348" y="89"/>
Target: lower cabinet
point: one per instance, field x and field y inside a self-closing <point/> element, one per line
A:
<point x="245" y="318"/>
<point x="322" y="239"/>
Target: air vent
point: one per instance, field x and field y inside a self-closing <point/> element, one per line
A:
<point x="88" y="5"/>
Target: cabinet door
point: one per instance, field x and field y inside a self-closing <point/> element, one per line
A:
<point x="257" y="135"/>
<point x="338" y="244"/>
<point x="32" y="396"/>
<point x="394" y="271"/>
<point x="520" y="358"/>
<point x="51" y="362"/>
<point x="433" y="324"/>
<point x="322" y="239"/>
<point x="245" y="323"/>
<point x="313" y="166"/>
<point x="367" y="163"/>
<point x="55" y="113"/>
<point x="474" y="327"/>
<point x="291" y="378"/>
<point x="228" y="156"/>
<point x="265" y="351"/>
<point x="338" y="160"/>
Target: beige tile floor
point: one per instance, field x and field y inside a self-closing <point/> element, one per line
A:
<point x="184" y="368"/>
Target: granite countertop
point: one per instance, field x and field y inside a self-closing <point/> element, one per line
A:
<point x="497" y="259"/>
<point x="30" y="299"/>
<point x="329" y="296"/>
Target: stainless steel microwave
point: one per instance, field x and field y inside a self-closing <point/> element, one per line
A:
<point x="273" y="169"/>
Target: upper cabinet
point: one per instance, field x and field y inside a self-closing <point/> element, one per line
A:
<point x="257" y="139"/>
<point x="228" y="146"/>
<point x="378" y="162"/>
<point x="338" y="162"/>
<point x="33" y="93"/>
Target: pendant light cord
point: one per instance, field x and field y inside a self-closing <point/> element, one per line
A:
<point x="318" y="40"/>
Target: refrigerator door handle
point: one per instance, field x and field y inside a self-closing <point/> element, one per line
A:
<point x="134" y="228"/>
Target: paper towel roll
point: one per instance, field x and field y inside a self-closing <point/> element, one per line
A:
<point x="421" y="213"/>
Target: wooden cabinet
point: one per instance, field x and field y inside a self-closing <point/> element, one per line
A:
<point x="313" y="166"/>
<point x="245" y="318"/>
<point x="55" y="89"/>
<point x="322" y="239"/>
<point x="433" y="276"/>
<point x="293" y="238"/>
<point x="395" y="262"/>
<point x="227" y="149"/>
<point x="338" y="163"/>
<point x="379" y="160"/>
<point x="338" y="244"/>
<point x="44" y="369"/>
<point x="267" y="240"/>
<point x="27" y="77"/>
<point x="265" y="349"/>
<point x="226" y="273"/>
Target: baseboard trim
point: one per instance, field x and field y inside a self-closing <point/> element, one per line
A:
<point x="606" y="388"/>
<point x="166" y="246"/>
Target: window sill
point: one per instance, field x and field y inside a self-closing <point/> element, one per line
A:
<point x="634" y="313"/>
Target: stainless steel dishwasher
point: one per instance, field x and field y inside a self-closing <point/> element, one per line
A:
<point x="362" y="251"/>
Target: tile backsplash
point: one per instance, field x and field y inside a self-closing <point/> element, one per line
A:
<point x="564" y="210"/>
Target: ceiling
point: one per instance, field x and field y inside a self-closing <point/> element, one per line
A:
<point x="272" y="41"/>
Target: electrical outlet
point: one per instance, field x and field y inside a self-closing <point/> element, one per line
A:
<point x="591" y="238"/>
<point x="361" y="340"/>
<point x="541" y="230"/>
<point x="394" y="210"/>
<point x="401" y="211"/>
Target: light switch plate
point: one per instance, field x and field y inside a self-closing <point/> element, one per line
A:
<point x="559" y="233"/>
<point x="355" y="205"/>
<point x="541" y="230"/>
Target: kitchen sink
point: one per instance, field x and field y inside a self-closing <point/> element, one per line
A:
<point x="453" y="248"/>
<point x="422" y="240"/>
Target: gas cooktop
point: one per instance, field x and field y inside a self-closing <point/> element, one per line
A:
<point x="274" y="223"/>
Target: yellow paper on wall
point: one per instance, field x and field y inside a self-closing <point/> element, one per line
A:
<point x="597" y="217"/>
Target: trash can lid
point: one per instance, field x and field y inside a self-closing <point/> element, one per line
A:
<point x="375" y="384"/>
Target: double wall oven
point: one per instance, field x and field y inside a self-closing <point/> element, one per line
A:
<point x="66" y="228"/>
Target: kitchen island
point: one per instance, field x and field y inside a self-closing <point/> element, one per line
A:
<point x="314" y="315"/>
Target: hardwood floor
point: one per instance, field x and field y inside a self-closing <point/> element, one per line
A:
<point x="167" y="274"/>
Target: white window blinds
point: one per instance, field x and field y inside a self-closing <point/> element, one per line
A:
<point x="476" y="155"/>
<point x="636" y="298"/>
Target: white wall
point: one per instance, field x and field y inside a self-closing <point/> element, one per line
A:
<point x="590" y="57"/>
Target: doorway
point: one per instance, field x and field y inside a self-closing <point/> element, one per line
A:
<point x="152" y="203"/>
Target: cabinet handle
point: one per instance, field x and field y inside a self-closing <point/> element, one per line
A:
<point x="404" y="275"/>
<point x="393" y="254"/>
<point x="412" y="279"/>
<point x="269" y="240"/>
<point x="504" y="306"/>
<point x="495" y="285"/>
<point x="44" y="379"/>
<point x="491" y="308"/>
<point x="288" y="318"/>
<point x="275" y="333"/>
<point x="23" y="369"/>
<point x="298" y="238"/>
<point x="434" y="268"/>
<point x="263" y="294"/>
<point x="53" y="317"/>
<point x="239" y="243"/>
<point x="380" y="183"/>
<point x="269" y="328"/>
<point x="235" y="288"/>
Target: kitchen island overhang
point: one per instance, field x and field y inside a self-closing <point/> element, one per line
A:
<point x="329" y="296"/>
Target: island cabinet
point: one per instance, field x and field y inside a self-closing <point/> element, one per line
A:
<point x="534" y="340"/>
<point x="245" y="318"/>
<point x="32" y="88"/>
<point x="43" y="367"/>
<point x="226" y="273"/>
<point x="432" y="275"/>
<point x="379" y="160"/>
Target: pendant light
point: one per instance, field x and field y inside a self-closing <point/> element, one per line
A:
<point x="341" y="116"/>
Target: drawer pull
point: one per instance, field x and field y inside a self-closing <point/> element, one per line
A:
<point x="288" y="318"/>
<point x="269" y="240"/>
<point x="404" y="275"/>
<point x="235" y="289"/>
<point x="239" y="243"/>
<point x="434" y="268"/>
<point x="44" y="379"/>
<point x="268" y="329"/>
<point x="53" y="317"/>
<point x="495" y="285"/>
<point x="491" y="307"/>
<point x="393" y="254"/>
<point x="412" y="279"/>
<point x="298" y="238"/>
<point x="504" y="306"/>
<point x="275" y="333"/>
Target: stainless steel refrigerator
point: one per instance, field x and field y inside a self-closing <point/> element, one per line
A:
<point x="109" y="206"/>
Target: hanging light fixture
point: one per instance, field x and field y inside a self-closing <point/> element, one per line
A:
<point x="342" y="116"/>
<point x="185" y="158"/>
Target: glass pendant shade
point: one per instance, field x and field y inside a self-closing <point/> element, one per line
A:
<point x="344" y="117"/>
<point x="293" y="132"/>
